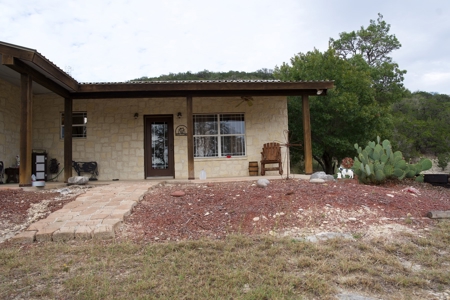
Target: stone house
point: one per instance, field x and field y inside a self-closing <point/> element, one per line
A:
<point x="140" y="130"/>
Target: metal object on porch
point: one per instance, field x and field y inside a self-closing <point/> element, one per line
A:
<point x="288" y="145"/>
<point x="39" y="164"/>
<point x="86" y="167"/>
<point x="438" y="179"/>
<point x="253" y="168"/>
<point x="13" y="175"/>
<point x="271" y="154"/>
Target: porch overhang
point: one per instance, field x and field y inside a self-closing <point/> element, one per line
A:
<point x="161" y="89"/>
<point x="19" y="63"/>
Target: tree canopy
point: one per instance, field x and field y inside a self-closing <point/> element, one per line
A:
<point x="422" y="124"/>
<point x="367" y="83"/>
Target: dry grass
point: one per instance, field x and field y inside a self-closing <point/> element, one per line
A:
<point x="240" y="267"/>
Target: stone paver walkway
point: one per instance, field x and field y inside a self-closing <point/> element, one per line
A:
<point x="98" y="212"/>
<point x="94" y="214"/>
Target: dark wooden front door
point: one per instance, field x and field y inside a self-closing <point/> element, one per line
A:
<point x="159" y="146"/>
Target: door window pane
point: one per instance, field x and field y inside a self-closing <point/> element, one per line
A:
<point x="160" y="145"/>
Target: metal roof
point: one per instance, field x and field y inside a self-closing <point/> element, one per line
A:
<point x="48" y="77"/>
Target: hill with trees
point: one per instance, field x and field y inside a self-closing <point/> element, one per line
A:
<point x="261" y="74"/>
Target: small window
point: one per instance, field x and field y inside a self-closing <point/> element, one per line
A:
<point x="219" y="135"/>
<point x="79" y="122"/>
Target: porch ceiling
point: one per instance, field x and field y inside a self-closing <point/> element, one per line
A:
<point x="48" y="78"/>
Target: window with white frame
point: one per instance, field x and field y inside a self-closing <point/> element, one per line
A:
<point x="79" y="122"/>
<point x="219" y="135"/>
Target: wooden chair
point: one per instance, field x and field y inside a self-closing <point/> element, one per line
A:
<point x="271" y="154"/>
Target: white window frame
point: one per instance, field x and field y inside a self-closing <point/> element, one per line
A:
<point x="74" y="114"/>
<point x="219" y="135"/>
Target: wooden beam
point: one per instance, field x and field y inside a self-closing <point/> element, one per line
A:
<point x="68" y="103"/>
<point x="55" y="72"/>
<point x="184" y="93"/>
<point x="26" y="129"/>
<point x="439" y="214"/>
<point x="17" y="51"/>
<point x="190" y="138"/>
<point x="307" y="135"/>
<point x="22" y="67"/>
<point x="40" y="63"/>
<point x="199" y="89"/>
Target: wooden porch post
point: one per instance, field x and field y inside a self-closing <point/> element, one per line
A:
<point x="26" y="129"/>
<point x="307" y="135"/>
<point x="68" y="103"/>
<point x="190" y="138"/>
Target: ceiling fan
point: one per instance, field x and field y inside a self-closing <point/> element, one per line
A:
<point x="248" y="99"/>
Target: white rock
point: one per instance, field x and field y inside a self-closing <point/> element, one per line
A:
<point x="256" y="219"/>
<point x="317" y="180"/>
<point x="80" y="180"/>
<point x="262" y="183"/>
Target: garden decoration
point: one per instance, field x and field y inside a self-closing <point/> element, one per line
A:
<point x="288" y="145"/>
<point x="346" y="168"/>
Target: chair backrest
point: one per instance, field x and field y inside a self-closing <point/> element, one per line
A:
<point x="271" y="151"/>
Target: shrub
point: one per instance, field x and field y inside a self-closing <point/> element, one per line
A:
<point x="443" y="160"/>
<point x="378" y="162"/>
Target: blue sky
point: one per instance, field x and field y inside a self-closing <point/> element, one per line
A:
<point x="109" y="41"/>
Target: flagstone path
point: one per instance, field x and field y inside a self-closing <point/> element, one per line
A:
<point x="94" y="214"/>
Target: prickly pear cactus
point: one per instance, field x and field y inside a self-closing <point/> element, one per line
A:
<point x="377" y="162"/>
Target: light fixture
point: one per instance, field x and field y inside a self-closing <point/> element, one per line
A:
<point x="319" y="92"/>
<point x="136" y="115"/>
<point x="179" y="115"/>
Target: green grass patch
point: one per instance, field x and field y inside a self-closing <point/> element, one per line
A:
<point x="238" y="267"/>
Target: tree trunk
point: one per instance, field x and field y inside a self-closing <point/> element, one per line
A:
<point x="326" y="162"/>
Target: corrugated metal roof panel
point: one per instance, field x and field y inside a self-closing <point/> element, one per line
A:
<point x="202" y="81"/>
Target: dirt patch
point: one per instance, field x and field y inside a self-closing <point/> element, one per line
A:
<point x="284" y="208"/>
<point x="19" y="209"/>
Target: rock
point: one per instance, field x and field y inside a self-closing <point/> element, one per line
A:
<point x="79" y="180"/>
<point x="320" y="175"/>
<point x="178" y="194"/>
<point x="317" y="180"/>
<point x="262" y="183"/>
<point x="323" y="236"/>
<point x="351" y="296"/>
<point x="64" y="191"/>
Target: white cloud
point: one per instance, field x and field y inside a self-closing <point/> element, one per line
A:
<point x="120" y="40"/>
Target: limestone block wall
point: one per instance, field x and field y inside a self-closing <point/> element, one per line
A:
<point x="116" y="140"/>
<point x="9" y="123"/>
<point x="265" y="121"/>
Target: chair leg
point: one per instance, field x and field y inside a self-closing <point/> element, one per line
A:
<point x="263" y="171"/>
<point x="281" y="169"/>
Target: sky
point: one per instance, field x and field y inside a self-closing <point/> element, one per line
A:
<point x="120" y="40"/>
